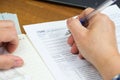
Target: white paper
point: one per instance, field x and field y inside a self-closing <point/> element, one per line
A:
<point x="50" y="40"/>
<point x="33" y="63"/>
<point x="13" y="74"/>
<point x="33" y="68"/>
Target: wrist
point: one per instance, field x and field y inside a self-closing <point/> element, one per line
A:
<point x="109" y="67"/>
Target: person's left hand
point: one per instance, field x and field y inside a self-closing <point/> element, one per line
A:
<point x="9" y="40"/>
<point x="8" y="35"/>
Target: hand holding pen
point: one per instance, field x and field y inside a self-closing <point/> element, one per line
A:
<point x="84" y="20"/>
<point x="96" y="43"/>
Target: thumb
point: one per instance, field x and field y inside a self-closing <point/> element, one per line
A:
<point x="8" y="61"/>
<point x="76" y="28"/>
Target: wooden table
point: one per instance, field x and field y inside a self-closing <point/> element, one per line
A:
<point x="33" y="11"/>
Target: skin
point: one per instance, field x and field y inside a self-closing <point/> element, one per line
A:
<point x="9" y="40"/>
<point x="96" y="43"/>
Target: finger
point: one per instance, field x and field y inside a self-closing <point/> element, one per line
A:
<point x="9" y="61"/>
<point x="80" y="56"/>
<point x="74" y="49"/>
<point x="5" y="24"/>
<point x="85" y="13"/>
<point x="10" y="40"/>
<point x="8" y="35"/>
<point x="77" y="30"/>
<point x="70" y="40"/>
<point x="12" y="45"/>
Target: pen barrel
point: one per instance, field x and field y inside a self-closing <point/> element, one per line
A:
<point x="105" y="4"/>
<point x="84" y="21"/>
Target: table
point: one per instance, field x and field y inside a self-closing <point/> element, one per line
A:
<point x="37" y="11"/>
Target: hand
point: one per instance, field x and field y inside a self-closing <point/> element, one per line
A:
<point x="9" y="40"/>
<point x="96" y="43"/>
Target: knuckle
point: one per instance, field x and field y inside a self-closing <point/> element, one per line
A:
<point x="8" y="24"/>
<point x="88" y="10"/>
<point x="102" y="17"/>
<point x="11" y="23"/>
<point x="112" y="24"/>
<point x="71" y="22"/>
<point x="106" y="19"/>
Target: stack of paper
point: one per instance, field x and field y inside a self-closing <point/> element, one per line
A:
<point x="50" y="40"/>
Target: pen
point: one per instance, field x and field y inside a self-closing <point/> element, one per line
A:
<point x="84" y="21"/>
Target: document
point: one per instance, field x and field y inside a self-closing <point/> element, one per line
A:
<point x="50" y="40"/>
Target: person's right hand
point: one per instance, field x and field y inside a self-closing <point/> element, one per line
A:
<point x="9" y="40"/>
<point x="96" y="43"/>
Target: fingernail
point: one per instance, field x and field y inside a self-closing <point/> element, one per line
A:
<point x="18" y="63"/>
